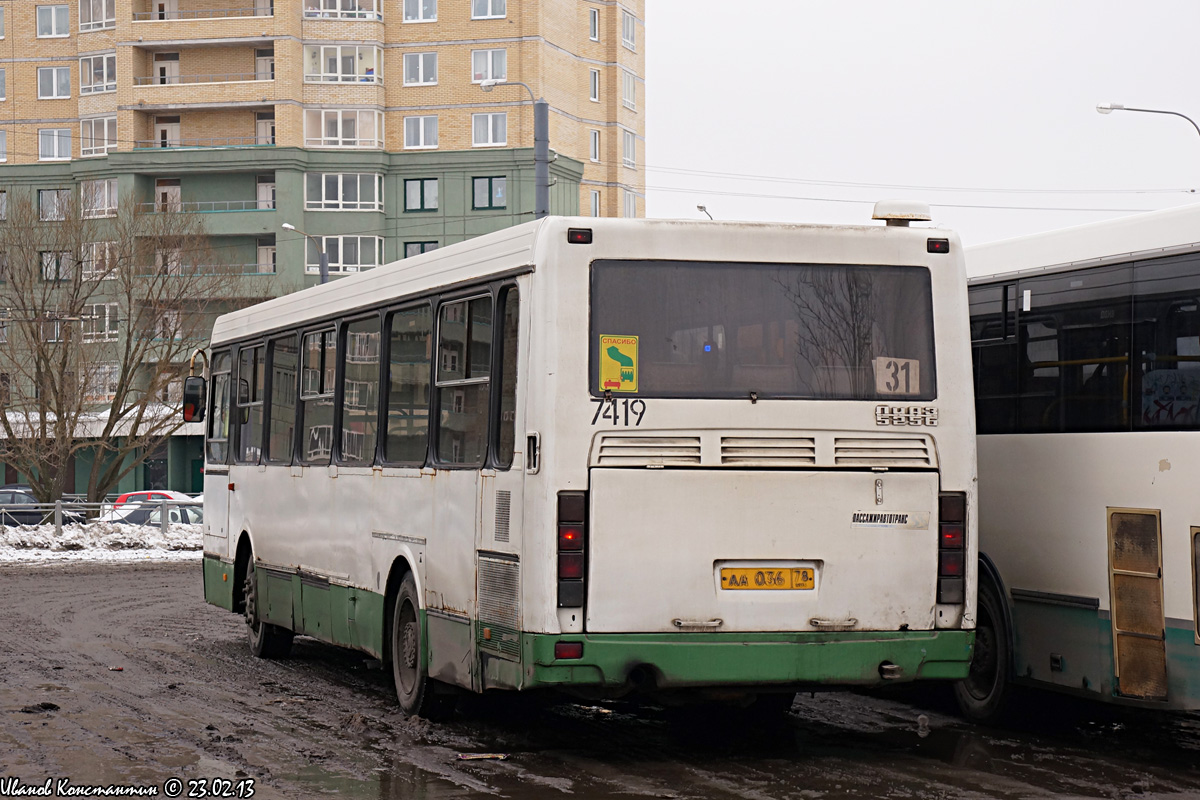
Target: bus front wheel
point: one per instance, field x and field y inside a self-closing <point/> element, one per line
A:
<point x="417" y="694"/>
<point x="266" y="640"/>
<point x="983" y="696"/>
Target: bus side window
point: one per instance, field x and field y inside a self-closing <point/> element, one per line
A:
<point x="218" y="422"/>
<point x="316" y="396"/>
<point x="360" y="392"/>
<point x="510" y="302"/>
<point x="463" y="380"/>
<point x="251" y="377"/>
<point x="410" y="333"/>
<point x="281" y="403"/>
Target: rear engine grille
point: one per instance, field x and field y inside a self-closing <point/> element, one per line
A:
<point x="640" y="451"/>
<point x="757" y="451"/>
<point x="891" y="451"/>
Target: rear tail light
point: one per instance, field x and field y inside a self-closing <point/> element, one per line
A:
<point x="952" y="548"/>
<point x="568" y="649"/>
<point x="572" y="554"/>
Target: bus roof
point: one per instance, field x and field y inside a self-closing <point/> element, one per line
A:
<point x="498" y="253"/>
<point x="1151" y="235"/>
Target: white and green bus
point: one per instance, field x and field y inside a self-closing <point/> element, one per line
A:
<point x="1087" y="380"/>
<point x="608" y="456"/>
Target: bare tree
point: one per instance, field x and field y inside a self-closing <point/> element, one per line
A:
<point x="102" y="307"/>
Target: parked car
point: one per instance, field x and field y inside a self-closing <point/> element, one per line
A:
<point x="151" y="494"/>
<point x="20" y="507"/>
<point x="150" y="513"/>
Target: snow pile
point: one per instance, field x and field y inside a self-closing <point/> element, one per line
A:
<point x="100" y="541"/>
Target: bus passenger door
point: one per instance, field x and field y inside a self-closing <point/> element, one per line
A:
<point x="498" y="629"/>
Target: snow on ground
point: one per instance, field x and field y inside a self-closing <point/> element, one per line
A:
<point x="100" y="541"/>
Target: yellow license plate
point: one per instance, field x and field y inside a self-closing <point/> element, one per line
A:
<point x="765" y="578"/>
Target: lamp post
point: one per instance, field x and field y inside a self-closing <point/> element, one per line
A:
<point x="541" y="146"/>
<point x="1108" y="108"/>
<point x="322" y="259"/>
<point x="705" y="210"/>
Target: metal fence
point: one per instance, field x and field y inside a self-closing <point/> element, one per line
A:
<point x="72" y="510"/>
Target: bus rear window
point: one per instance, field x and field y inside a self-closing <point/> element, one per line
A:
<point x="722" y="329"/>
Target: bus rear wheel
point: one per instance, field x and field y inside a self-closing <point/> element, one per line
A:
<point x="417" y="693"/>
<point x="266" y="640"/>
<point x="983" y="695"/>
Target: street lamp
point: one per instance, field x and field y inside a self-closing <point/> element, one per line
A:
<point x="705" y="210"/>
<point x="322" y="259"/>
<point x="541" y="146"/>
<point x="1108" y="108"/>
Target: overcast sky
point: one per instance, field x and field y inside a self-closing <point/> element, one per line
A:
<point x="766" y="109"/>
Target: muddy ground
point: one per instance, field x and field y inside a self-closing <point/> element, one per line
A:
<point x="189" y="702"/>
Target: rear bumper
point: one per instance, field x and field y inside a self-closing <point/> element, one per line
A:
<point x="749" y="660"/>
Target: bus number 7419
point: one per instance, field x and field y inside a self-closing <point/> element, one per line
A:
<point x="619" y="411"/>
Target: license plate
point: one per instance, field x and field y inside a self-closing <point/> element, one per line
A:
<point x="790" y="578"/>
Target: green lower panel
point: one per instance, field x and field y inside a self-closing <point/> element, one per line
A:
<point x="218" y="582"/>
<point x="722" y="659"/>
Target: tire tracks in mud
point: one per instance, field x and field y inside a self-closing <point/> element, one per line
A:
<point x="190" y="702"/>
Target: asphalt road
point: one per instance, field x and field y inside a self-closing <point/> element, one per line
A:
<point x="189" y="702"/>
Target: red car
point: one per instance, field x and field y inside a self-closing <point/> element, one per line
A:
<point x="151" y="495"/>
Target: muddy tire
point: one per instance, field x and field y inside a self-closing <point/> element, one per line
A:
<point x="984" y="695"/>
<point x="417" y="693"/>
<point x="266" y="640"/>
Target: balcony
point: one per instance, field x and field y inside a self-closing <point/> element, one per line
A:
<point x="207" y="206"/>
<point x="225" y="77"/>
<point x="227" y="141"/>
<point x="262" y="9"/>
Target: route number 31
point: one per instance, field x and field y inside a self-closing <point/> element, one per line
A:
<point x="897" y="375"/>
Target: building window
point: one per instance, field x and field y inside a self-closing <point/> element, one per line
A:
<point x="351" y="191"/>
<point x="53" y="329"/>
<point x="343" y="9"/>
<point x="594" y="148"/>
<point x="53" y="204"/>
<point x="57" y="266"/>
<point x="416" y="248"/>
<point x="489" y="130"/>
<point x="264" y="64"/>
<point x="3" y="145"/>
<point x="420" y="10"/>
<point x="421" y="194"/>
<point x="487" y="9"/>
<point x="629" y="149"/>
<point x="594" y="24"/>
<point x="629" y="89"/>
<point x="54" y="144"/>
<point x="53" y="21"/>
<point x="101" y="384"/>
<point x="97" y="14"/>
<point x="97" y="136"/>
<point x="3" y="216"/>
<point x="594" y="85"/>
<point x="98" y="74"/>
<point x="99" y="322"/>
<point x="595" y="202"/>
<point x="420" y="69"/>
<point x="347" y="253"/>
<point x="99" y="198"/>
<point x="420" y="133"/>
<point x="489" y="65"/>
<point x="99" y="261"/>
<point x="267" y="262"/>
<point x="54" y="83"/>
<point x="1" y="22"/>
<point x="3" y="84"/>
<point x="630" y="209"/>
<point x="343" y="63"/>
<point x="343" y="128"/>
<point x="628" y="33"/>
<point x="488" y="192"/>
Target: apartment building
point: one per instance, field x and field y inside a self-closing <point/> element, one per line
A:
<point x="362" y="123"/>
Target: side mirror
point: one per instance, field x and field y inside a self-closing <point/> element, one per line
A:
<point x="194" y="392"/>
